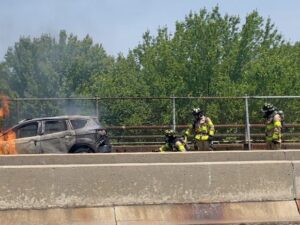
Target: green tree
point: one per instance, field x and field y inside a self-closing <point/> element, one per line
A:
<point x="43" y="67"/>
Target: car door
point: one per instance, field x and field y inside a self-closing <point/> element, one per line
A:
<point x="27" y="138"/>
<point x="57" y="136"/>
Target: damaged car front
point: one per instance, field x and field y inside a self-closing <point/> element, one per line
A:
<point x="90" y="135"/>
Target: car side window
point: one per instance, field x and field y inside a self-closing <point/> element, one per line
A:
<point x="77" y="124"/>
<point x="28" y="130"/>
<point x="54" y="126"/>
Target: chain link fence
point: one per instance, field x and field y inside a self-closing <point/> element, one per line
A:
<point x="142" y="119"/>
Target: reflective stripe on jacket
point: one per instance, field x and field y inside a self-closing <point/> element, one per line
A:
<point x="201" y="129"/>
<point x="177" y="145"/>
<point x="273" y="128"/>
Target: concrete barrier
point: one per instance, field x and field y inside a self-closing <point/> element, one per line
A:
<point x="278" y="212"/>
<point x="75" y="216"/>
<point x="296" y="175"/>
<point x="38" y="187"/>
<point x="217" y="147"/>
<point x="292" y="154"/>
<point x="218" y="213"/>
<point x="174" y="157"/>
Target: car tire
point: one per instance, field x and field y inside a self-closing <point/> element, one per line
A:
<point x="82" y="150"/>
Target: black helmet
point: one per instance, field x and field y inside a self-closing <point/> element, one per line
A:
<point x="197" y="112"/>
<point x="170" y="133"/>
<point x="267" y="109"/>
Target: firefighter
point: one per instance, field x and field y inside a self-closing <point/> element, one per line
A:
<point x="173" y="143"/>
<point x="273" y="122"/>
<point x="202" y="131"/>
<point x="104" y="145"/>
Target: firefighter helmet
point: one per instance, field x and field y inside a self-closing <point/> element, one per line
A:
<point x="170" y="133"/>
<point x="197" y="112"/>
<point x="268" y="109"/>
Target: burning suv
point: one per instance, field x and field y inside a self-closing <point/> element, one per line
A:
<point x="61" y="134"/>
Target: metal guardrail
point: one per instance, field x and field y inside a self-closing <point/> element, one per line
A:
<point x="186" y="126"/>
<point x="238" y="138"/>
<point x="96" y="101"/>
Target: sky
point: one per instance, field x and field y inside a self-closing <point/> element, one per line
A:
<point x="119" y="24"/>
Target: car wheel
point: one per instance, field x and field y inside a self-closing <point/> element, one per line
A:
<point x="82" y="150"/>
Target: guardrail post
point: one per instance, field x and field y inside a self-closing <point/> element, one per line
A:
<point x="18" y="109"/>
<point x="247" y="130"/>
<point x="174" y="113"/>
<point x="97" y="107"/>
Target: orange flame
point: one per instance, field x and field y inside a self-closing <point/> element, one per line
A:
<point x="4" y="110"/>
<point x="8" y="144"/>
<point x="7" y="141"/>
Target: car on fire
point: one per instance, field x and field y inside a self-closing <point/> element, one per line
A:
<point x="60" y="134"/>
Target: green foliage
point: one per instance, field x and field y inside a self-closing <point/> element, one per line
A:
<point x="44" y="67"/>
<point x="4" y="75"/>
<point x="209" y="54"/>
